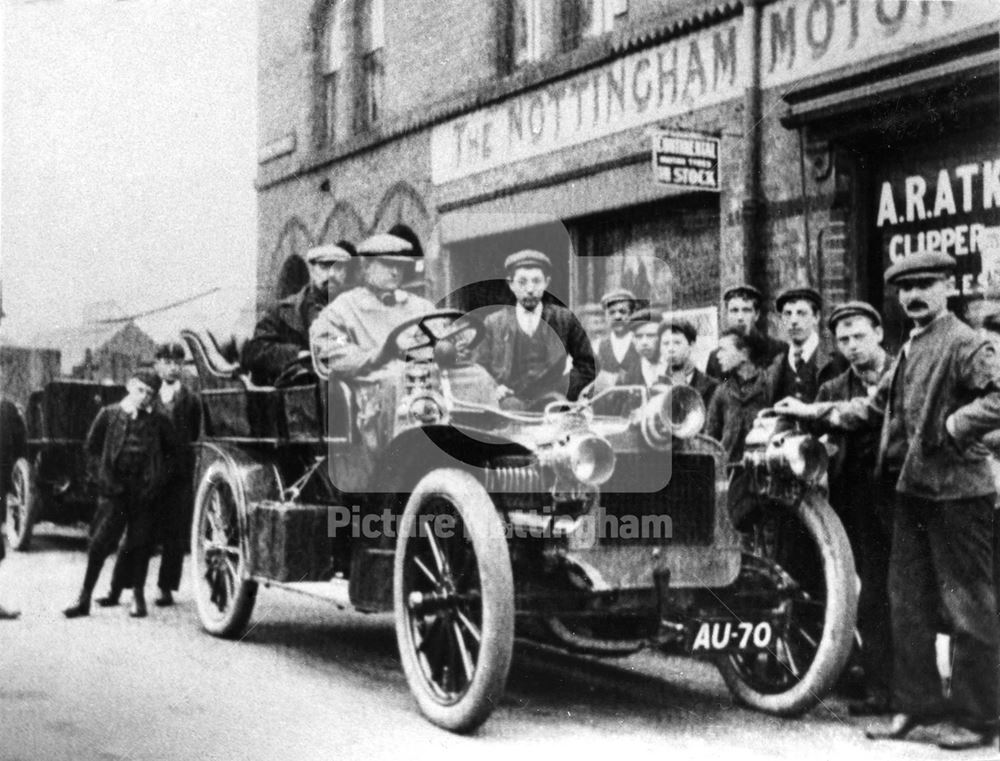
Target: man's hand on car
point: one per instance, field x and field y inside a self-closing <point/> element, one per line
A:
<point x="793" y="407"/>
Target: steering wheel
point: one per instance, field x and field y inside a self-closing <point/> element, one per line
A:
<point x="463" y="322"/>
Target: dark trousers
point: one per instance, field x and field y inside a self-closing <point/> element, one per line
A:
<point x="171" y="528"/>
<point x="942" y="563"/>
<point x="125" y="514"/>
<point x="866" y="520"/>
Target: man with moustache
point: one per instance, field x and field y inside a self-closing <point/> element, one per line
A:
<point x="525" y="347"/>
<point x="933" y="408"/>
<point x="281" y="338"/>
<point x="348" y="335"/>
<point x="616" y="353"/>
<point x="862" y="505"/>
<point x="800" y="370"/>
<point x="742" y="312"/>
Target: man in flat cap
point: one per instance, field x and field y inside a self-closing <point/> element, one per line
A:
<point x="742" y="311"/>
<point x="281" y="337"/>
<point x="861" y="503"/>
<point x="131" y="445"/>
<point x="933" y="407"/>
<point x="646" y="326"/>
<point x="801" y="369"/>
<point x="676" y="343"/>
<point x="525" y="347"/>
<point x="349" y="333"/>
<point x="616" y="353"/>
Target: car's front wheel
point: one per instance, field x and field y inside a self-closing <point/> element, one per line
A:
<point x="801" y="558"/>
<point x="454" y="600"/>
<point x="223" y="592"/>
<point x="22" y="505"/>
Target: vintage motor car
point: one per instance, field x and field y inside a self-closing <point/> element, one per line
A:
<point x="49" y="481"/>
<point x="422" y="441"/>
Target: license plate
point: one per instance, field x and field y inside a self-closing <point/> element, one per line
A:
<point x="731" y="636"/>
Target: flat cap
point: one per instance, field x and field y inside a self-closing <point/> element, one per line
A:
<point x="682" y="326"/>
<point x="645" y="317"/>
<point x="931" y="263"/>
<point x="799" y="294"/>
<point x="527" y="258"/>
<point x="386" y="246"/>
<point x="745" y="291"/>
<point x="853" y="309"/>
<point x="616" y="295"/>
<point x="149" y="377"/>
<point x="328" y="252"/>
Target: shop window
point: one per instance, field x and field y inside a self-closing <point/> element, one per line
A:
<point x="373" y="63"/>
<point x="333" y="54"/>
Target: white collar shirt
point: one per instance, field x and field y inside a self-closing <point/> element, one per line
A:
<point x="808" y="349"/>
<point x="528" y="320"/>
<point x="620" y="345"/>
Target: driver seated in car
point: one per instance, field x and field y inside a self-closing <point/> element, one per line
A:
<point x="348" y="335"/>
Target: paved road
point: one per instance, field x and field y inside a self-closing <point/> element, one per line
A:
<point x="308" y="682"/>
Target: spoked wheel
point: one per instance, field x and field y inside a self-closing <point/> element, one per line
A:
<point x="22" y="503"/>
<point x="802" y="557"/>
<point x="224" y="593"/>
<point x="454" y="600"/>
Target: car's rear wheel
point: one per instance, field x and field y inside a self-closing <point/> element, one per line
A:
<point x="803" y="557"/>
<point x="454" y="600"/>
<point x="23" y="503"/>
<point x="223" y="591"/>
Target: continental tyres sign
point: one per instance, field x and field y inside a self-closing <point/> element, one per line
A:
<point x="799" y="38"/>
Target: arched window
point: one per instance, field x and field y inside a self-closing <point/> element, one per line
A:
<point x="333" y="59"/>
<point x="373" y="62"/>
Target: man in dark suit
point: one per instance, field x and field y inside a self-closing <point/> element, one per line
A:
<point x="932" y="409"/>
<point x="132" y="446"/>
<point x="182" y="407"/>
<point x="675" y="355"/>
<point x="616" y="352"/>
<point x="281" y="337"/>
<point x="525" y="347"/>
<point x="742" y="306"/>
<point x="801" y="369"/>
<point x="863" y="506"/>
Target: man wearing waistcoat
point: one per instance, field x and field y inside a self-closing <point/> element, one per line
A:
<point x="933" y="408"/>
<point x="132" y="447"/>
<point x="525" y="347"/>
<point x="616" y="351"/>
<point x="801" y="369"/>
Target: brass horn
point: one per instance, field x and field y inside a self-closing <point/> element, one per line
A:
<point x="676" y="411"/>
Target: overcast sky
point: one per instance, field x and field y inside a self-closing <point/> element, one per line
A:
<point x="129" y="144"/>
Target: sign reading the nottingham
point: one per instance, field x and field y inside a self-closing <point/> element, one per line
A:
<point x="686" y="160"/>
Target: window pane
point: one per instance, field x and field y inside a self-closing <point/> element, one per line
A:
<point x="334" y="43"/>
<point x="374" y="83"/>
<point x="527" y="18"/>
<point x="330" y="107"/>
<point x="377" y="35"/>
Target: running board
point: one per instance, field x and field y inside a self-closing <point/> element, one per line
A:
<point x="334" y="590"/>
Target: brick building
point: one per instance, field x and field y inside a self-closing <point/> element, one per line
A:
<point x="849" y="131"/>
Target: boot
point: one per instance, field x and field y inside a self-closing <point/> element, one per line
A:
<point x="82" y="605"/>
<point x="165" y="599"/>
<point x="138" y="604"/>
<point x="111" y="599"/>
<point x="6" y="614"/>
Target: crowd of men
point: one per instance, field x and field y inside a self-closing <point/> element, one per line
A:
<point x="912" y="481"/>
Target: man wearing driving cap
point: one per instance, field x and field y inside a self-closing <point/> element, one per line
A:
<point x="801" y="369"/>
<point x="616" y="351"/>
<point x="862" y="505"/>
<point x="525" y="347"/>
<point x="281" y="337"/>
<point x="132" y="446"/>
<point x="348" y="334"/>
<point x="933" y="407"/>
<point x="742" y="311"/>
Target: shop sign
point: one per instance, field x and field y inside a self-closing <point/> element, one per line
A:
<point x="801" y="38"/>
<point x="947" y="207"/>
<point x="693" y="72"/>
<point x="686" y="160"/>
